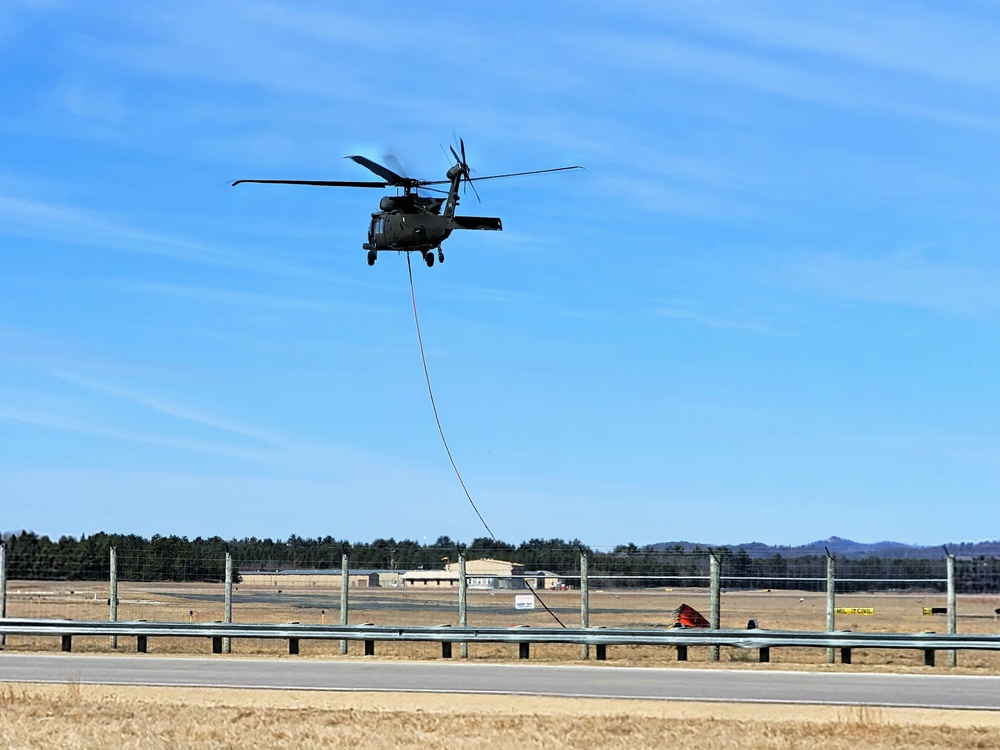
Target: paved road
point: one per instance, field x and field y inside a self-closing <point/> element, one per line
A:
<point x="839" y="688"/>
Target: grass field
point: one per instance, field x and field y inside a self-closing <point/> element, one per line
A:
<point x="77" y="716"/>
<point x="791" y="610"/>
<point x="83" y="716"/>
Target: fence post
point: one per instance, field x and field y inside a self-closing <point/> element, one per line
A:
<point x="831" y="601"/>
<point x="3" y="587"/>
<point x="113" y="593"/>
<point x="344" y="583"/>
<point x="227" y="643"/>
<point x="952" y="615"/>
<point x="463" y="604"/>
<point x="584" y="603"/>
<point x="715" y="587"/>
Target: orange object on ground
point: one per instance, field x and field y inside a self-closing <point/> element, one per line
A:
<point x="688" y="617"/>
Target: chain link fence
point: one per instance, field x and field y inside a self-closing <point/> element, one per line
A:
<point x="624" y="587"/>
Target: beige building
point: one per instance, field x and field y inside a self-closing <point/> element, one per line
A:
<point x="480" y="574"/>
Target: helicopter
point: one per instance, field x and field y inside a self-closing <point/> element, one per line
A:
<point x="409" y="222"/>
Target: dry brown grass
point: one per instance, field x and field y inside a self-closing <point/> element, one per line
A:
<point x="794" y="610"/>
<point x="75" y="716"/>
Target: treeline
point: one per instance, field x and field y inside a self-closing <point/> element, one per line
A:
<point x="741" y="571"/>
<point x="172" y="558"/>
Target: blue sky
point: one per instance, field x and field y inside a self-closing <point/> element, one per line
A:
<point x="767" y="310"/>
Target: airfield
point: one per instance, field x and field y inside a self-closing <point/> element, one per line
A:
<point x="72" y="713"/>
<point x="619" y="608"/>
<point x="333" y="711"/>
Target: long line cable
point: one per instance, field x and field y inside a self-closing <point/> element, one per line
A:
<point x="444" y="441"/>
<point x="430" y="392"/>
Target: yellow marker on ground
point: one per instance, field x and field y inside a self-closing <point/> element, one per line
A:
<point x="855" y="610"/>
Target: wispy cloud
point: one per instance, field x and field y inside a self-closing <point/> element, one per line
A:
<point x="169" y="408"/>
<point x="256" y="301"/>
<point x="21" y="346"/>
<point x="901" y="278"/>
<point x="669" y="55"/>
<point x="72" y="423"/>
<point x="32" y="218"/>
<point x="927" y="40"/>
<point x="232" y="440"/>
<point x="737" y="324"/>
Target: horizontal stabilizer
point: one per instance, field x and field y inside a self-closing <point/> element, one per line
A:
<point x="477" y="222"/>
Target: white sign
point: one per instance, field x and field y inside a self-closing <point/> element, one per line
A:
<point x="524" y="601"/>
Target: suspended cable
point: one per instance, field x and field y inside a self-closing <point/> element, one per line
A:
<point x="444" y="441"/>
<point x="430" y="392"/>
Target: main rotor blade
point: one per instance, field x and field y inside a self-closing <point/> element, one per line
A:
<point x="394" y="164"/>
<point x="321" y="183"/>
<point x="521" y="174"/>
<point x="497" y="176"/>
<point x="384" y="172"/>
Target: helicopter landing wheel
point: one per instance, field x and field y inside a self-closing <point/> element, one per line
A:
<point x="440" y="255"/>
<point x="371" y="257"/>
<point x="429" y="258"/>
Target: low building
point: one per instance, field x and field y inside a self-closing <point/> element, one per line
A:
<point x="429" y="579"/>
<point x="544" y="579"/>
<point x="314" y="578"/>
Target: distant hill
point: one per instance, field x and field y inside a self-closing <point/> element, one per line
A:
<point x="849" y="549"/>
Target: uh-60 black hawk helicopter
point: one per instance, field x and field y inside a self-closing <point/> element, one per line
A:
<point x="410" y="222"/>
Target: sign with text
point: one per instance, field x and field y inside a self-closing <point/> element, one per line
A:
<point x="855" y="610"/>
<point x="524" y="601"/>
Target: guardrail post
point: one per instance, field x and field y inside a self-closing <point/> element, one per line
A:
<point x="845" y="656"/>
<point x="928" y="657"/>
<point x="67" y="643"/>
<point x="584" y="603"/>
<point x="682" y="653"/>
<point x="227" y="643"/>
<point x="952" y="614"/>
<point x="524" y="650"/>
<point x="344" y="583"/>
<point x="113" y="594"/>
<point x="3" y="587"/>
<point x="715" y="588"/>
<point x="140" y="644"/>
<point x="831" y="601"/>
<point x="293" y="646"/>
<point x="463" y="604"/>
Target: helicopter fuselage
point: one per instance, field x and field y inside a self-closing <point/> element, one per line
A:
<point x="413" y="223"/>
<point x="396" y="230"/>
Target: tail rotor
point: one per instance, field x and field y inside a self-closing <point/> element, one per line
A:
<point x="464" y="166"/>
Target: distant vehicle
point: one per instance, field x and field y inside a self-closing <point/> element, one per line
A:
<point x="410" y="222"/>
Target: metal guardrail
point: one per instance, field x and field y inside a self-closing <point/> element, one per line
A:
<point x="600" y="637"/>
